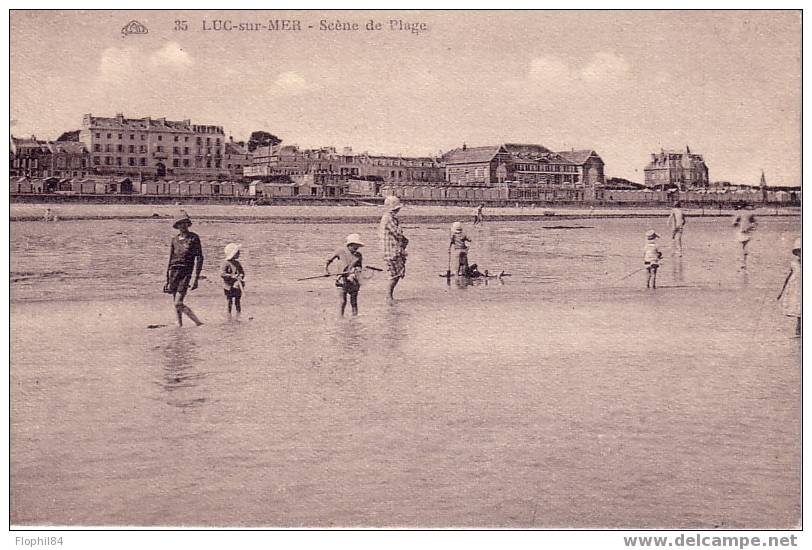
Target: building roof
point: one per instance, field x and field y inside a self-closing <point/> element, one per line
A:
<point x="146" y="123"/>
<point x="75" y="147"/>
<point x="234" y="148"/>
<point x="29" y="143"/>
<point x="531" y="148"/>
<point x="578" y="157"/>
<point x="470" y="155"/>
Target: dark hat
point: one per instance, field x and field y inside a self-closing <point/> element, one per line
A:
<point x="183" y="218"/>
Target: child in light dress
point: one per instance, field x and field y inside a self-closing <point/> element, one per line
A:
<point x="651" y="258"/>
<point x="790" y="295"/>
<point x="233" y="276"/>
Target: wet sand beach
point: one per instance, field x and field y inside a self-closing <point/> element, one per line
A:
<point x="361" y="213"/>
<point x="564" y="396"/>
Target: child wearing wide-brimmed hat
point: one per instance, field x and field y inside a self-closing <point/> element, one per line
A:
<point x="350" y="264"/>
<point x="651" y="258"/>
<point x="185" y="264"/>
<point x="233" y="276"/>
<point x="458" y="249"/>
<point x="791" y="291"/>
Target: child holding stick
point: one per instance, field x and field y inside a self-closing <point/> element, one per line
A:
<point x="651" y="258"/>
<point x="350" y="263"/>
<point x="458" y="248"/>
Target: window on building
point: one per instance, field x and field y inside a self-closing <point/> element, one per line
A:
<point x="217" y="142"/>
<point x="108" y="161"/>
<point x="208" y="141"/>
<point x="107" y="148"/>
<point x="132" y="136"/>
<point x="199" y="140"/>
<point x="109" y="136"/>
<point x="177" y="138"/>
<point x="176" y="150"/>
<point x="143" y="137"/>
<point x="208" y="164"/>
<point x="120" y="136"/>
<point x="118" y="161"/>
<point x="185" y="150"/>
<point x="120" y="148"/>
<point x="175" y="163"/>
<point x="142" y="149"/>
<point x="186" y="163"/>
<point x="131" y="149"/>
<point x="160" y="148"/>
<point x="142" y="161"/>
<point x="97" y="147"/>
<point x="96" y="160"/>
<point x="160" y="137"/>
<point x="217" y="164"/>
<point x="98" y="135"/>
<point x="186" y="139"/>
<point x="131" y="161"/>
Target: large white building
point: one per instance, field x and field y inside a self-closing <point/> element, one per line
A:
<point x="154" y="148"/>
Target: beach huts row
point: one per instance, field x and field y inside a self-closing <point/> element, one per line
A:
<point x="439" y="191"/>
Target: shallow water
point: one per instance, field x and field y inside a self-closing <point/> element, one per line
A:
<point x="568" y="396"/>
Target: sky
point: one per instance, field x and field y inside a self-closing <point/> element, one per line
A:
<point x="624" y="83"/>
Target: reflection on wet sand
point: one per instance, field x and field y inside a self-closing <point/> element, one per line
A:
<point x="677" y="271"/>
<point x="181" y="376"/>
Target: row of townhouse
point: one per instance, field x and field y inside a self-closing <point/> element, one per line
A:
<point x="133" y="147"/>
<point x="158" y="148"/>
<point x="476" y="166"/>
<point x="326" y="163"/>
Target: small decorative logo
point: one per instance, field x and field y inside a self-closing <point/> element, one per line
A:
<point x="134" y="27"/>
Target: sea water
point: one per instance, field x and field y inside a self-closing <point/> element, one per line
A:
<point x="564" y="395"/>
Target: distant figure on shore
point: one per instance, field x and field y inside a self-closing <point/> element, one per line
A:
<point x="791" y="291"/>
<point x="458" y="249"/>
<point x="394" y="244"/>
<point x="478" y="216"/>
<point x="233" y="276"/>
<point x="50" y="216"/>
<point x="185" y="264"/>
<point x="350" y="264"/>
<point x="651" y="258"/>
<point x="745" y="222"/>
<point x="676" y="221"/>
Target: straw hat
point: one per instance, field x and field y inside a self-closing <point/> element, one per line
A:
<point x="456" y="227"/>
<point x="797" y="245"/>
<point x="651" y="235"/>
<point x="231" y="250"/>
<point x="392" y="203"/>
<point x="354" y="238"/>
<point x="183" y="218"/>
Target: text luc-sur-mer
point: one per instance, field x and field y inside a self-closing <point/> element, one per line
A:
<point x="296" y="25"/>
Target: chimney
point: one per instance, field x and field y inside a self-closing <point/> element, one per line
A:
<point x="120" y="117"/>
<point x="464" y="147"/>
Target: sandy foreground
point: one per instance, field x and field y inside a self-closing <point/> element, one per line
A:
<point x="325" y="213"/>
